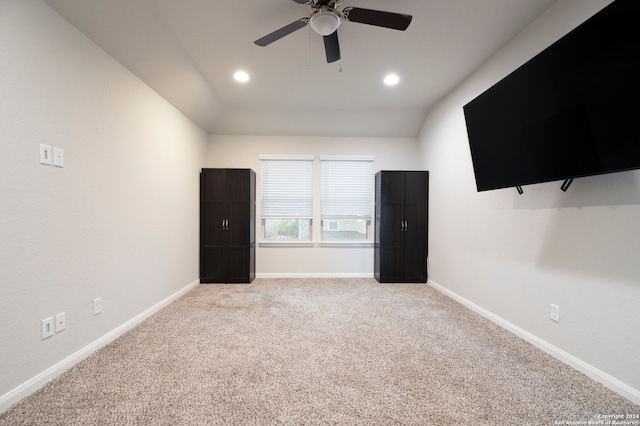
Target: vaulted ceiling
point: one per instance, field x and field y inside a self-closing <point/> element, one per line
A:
<point x="188" y="51"/>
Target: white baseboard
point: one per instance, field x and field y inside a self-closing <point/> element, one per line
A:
<point x="54" y="371"/>
<point x="314" y="275"/>
<point x="600" y="376"/>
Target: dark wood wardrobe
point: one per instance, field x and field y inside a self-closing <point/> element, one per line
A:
<point x="401" y="226"/>
<point x="227" y="225"/>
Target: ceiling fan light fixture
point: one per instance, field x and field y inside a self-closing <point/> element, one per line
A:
<point x="325" y="22"/>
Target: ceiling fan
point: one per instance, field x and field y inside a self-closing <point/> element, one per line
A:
<point x="326" y="18"/>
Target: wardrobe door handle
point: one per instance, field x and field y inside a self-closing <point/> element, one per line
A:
<point x="406" y="226"/>
<point x="226" y="225"/>
<point x="223" y="224"/>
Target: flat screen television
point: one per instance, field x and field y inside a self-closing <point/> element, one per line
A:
<point x="571" y="111"/>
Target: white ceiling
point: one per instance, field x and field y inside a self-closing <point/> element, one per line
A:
<point x="188" y="50"/>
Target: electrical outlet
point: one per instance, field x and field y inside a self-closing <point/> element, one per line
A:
<point x="97" y="305"/>
<point x="61" y="322"/>
<point x="58" y="157"/>
<point x="47" y="328"/>
<point x="555" y="313"/>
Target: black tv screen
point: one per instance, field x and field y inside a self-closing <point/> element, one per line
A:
<point x="571" y="111"/>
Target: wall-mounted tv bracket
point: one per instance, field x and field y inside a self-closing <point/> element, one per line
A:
<point x="566" y="184"/>
<point x="519" y="189"/>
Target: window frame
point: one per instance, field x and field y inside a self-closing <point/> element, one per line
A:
<point x="315" y="233"/>
<point x="332" y="212"/>
<point x="277" y="212"/>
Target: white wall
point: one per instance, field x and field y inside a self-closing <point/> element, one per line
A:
<point x="119" y="221"/>
<point x="244" y="152"/>
<point x="515" y="255"/>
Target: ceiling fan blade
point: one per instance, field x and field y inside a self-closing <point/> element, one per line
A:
<point x="278" y="34"/>
<point x="301" y="1"/>
<point x="332" y="47"/>
<point x="395" y="21"/>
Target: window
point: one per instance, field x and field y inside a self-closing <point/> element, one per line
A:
<point x="286" y="197"/>
<point x="346" y="188"/>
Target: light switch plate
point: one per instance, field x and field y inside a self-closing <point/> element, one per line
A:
<point x="45" y="155"/>
<point x="58" y="157"/>
<point x="47" y="328"/>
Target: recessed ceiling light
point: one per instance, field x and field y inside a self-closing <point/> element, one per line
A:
<point x="241" y="76"/>
<point x="391" y="79"/>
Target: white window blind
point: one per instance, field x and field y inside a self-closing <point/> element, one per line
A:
<point x="286" y="188"/>
<point x="346" y="187"/>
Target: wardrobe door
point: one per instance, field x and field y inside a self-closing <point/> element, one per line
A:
<point x="212" y="214"/>
<point x="391" y="226"/>
<point x="239" y="254"/>
<point x="416" y="186"/>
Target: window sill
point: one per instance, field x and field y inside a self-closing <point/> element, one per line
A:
<point x="286" y="244"/>
<point x="333" y="244"/>
<point x="344" y="244"/>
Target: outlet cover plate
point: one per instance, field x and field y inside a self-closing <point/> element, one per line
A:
<point x="61" y="322"/>
<point x="58" y="157"/>
<point x="555" y="313"/>
<point x="97" y="305"/>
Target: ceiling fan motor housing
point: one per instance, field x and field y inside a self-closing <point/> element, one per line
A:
<point x="324" y="22"/>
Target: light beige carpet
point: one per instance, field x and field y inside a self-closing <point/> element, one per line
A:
<point x="342" y="351"/>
